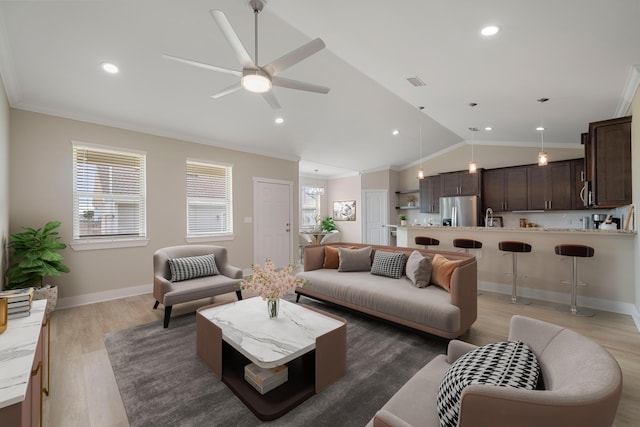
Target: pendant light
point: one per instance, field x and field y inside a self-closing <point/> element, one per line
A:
<point x="543" y="159"/>
<point x="420" y="169"/>
<point x="317" y="190"/>
<point x="473" y="166"/>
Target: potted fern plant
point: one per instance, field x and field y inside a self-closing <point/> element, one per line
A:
<point x="327" y="224"/>
<point x="36" y="256"/>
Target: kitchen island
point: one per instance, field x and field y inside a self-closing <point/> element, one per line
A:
<point x="609" y="273"/>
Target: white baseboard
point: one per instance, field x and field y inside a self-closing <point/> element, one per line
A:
<point x="558" y="297"/>
<point x="563" y="298"/>
<point x="95" y="297"/>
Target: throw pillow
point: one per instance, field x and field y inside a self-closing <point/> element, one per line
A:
<point x="503" y="364"/>
<point x="419" y="269"/>
<point x="331" y="257"/>
<point x="442" y="270"/>
<point x="191" y="267"/>
<point x="388" y="264"/>
<point x="355" y="259"/>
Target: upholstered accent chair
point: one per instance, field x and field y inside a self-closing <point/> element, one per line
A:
<point x="580" y="384"/>
<point x="196" y="275"/>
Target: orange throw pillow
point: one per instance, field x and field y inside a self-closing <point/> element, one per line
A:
<point x="442" y="270"/>
<point x="331" y="257"/>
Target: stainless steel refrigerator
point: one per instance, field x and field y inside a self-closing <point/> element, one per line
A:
<point x="459" y="211"/>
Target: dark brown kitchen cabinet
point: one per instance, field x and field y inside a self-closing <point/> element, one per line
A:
<point x="460" y="183"/>
<point x="430" y="194"/>
<point x="505" y="189"/>
<point x="549" y="187"/>
<point x="609" y="168"/>
<point x="577" y="184"/>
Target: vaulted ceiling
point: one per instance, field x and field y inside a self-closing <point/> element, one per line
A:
<point x="581" y="54"/>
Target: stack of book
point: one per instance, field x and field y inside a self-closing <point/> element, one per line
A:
<point x="265" y="380"/>
<point x="19" y="302"/>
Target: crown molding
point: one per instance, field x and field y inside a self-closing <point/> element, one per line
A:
<point x="629" y="91"/>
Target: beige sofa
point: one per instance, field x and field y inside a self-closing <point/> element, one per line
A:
<point x="431" y="309"/>
<point x="582" y="385"/>
<point x="169" y="293"/>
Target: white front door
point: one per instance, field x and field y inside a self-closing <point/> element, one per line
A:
<point x="375" y="217"/>
<point x="273" y="214"/>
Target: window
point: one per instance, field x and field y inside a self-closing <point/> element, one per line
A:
<point x="310" y="207"/>
<point x="108" y="193"/>
<point x="209" y="201"/>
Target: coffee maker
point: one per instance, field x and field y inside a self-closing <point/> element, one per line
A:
<point x="598" y="219"/>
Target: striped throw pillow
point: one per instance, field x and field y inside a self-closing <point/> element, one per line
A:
<point x="192" y="267"/>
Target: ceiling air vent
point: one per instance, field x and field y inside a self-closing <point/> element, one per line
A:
<point x="416" y="81"/>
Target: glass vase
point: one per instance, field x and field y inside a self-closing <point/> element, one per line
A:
<point x="273" y="307"/>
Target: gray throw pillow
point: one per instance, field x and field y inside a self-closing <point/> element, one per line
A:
<point x="389" y="264"/>
<point x="355" y="259"/>
<point x="191" y="267"/>
<point x="419" y="269"/>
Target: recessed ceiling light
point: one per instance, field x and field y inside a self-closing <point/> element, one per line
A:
<point x="110" y="68"/>
<point x="540" y="128"/>
<point x="395" y="132"/>
<point x="490" y="30"/>
<point x="488" y="128"/>
<point x="279" y="120"/>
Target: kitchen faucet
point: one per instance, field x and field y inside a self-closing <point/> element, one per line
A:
<point x="488" y="215"/>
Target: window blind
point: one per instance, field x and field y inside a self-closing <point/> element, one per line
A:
<point x="108" y="193"/>
<point x="209" y="199"/>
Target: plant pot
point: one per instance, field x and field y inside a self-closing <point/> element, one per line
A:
<point x="403" y="222"/>
<point x="50" y="293"/>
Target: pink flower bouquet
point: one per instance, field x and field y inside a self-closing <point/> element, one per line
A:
<point x="271" y="283"/>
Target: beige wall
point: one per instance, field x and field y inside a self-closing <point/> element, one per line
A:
<point x="41" y="190"/>
<point x="487" y="157"/>
<point x="347" y="189"/>
<point x="4" y="180"/>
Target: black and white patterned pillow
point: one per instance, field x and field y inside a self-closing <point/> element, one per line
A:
<point x="191" y="267"/>
<point x="504" y="364"/>
<point x="388" y="264"/>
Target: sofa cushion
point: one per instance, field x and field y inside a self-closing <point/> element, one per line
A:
<point x="191" y="267"/>
<point x="331" y="257"/>
<point x="503" y="364"/>
<point x="355" y="259"/>
<point x="419" y="269"/>
<point x="442" y="270"/>
<point x="388" y="264"/>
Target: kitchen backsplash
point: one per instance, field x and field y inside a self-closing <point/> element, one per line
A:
<point x="561" y="219"/>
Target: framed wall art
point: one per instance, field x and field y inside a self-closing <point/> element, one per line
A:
<point x="344" y="210"/>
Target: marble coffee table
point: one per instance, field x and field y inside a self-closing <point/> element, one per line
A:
<point x="312" y="343"/>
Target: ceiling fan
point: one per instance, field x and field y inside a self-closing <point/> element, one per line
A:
<point x="255" y="78"/>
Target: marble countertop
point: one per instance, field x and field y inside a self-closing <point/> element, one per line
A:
<point x="17" y="350"/>
<point x="521" y="230"/>
<point x="268" y="342"/>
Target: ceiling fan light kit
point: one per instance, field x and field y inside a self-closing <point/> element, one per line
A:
<point x="255" y="78"/>
<point x="256" y="81"/>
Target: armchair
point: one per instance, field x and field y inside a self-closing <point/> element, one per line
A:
<point x="175" y="292"/>
<point x="581" y="385"/>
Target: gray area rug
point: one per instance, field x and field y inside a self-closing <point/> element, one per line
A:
<point x="163" y="383"/>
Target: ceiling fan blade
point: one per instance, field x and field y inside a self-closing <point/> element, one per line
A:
<point x="231" y="36"/>
<point x="271" y="100"/>
<point x="226" y="91"/>
<point x="203" y="65"/>
<point x="295" y="84"/>
<point x="295" y="56"/>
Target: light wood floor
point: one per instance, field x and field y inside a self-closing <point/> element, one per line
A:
<point x="84" y="391"/>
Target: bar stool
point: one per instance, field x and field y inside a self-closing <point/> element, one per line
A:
<point x="574" y="251"/>
<point x="426" y="241"/>
<point x="515" y="248"/>
<point x="467" y="244"/>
